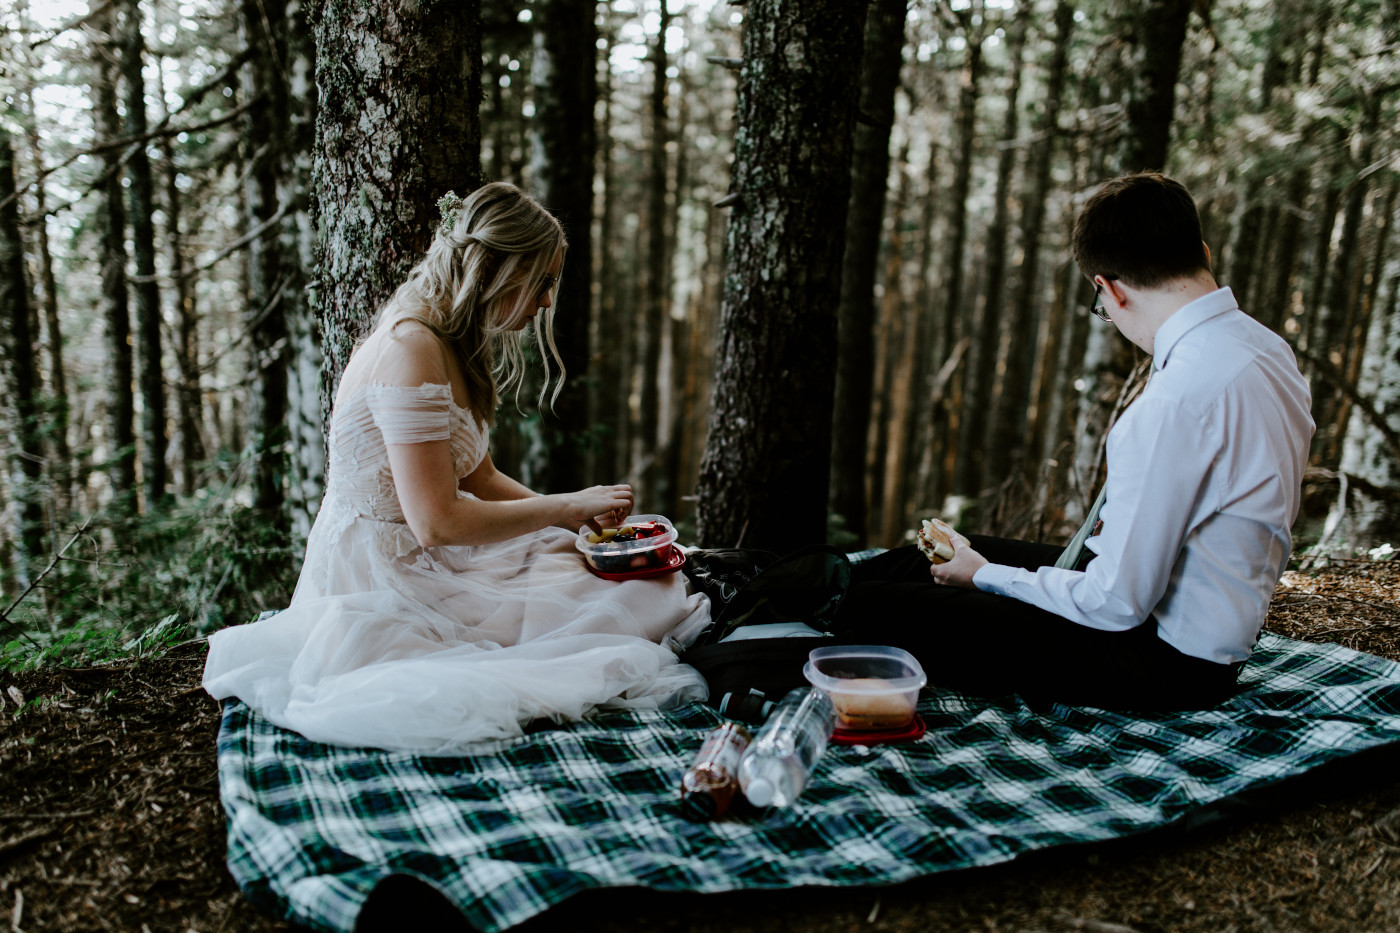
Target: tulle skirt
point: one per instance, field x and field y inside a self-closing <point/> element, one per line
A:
<point x="432" y="649"/>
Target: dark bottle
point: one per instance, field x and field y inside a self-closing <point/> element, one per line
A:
<point x="713" y="777"/>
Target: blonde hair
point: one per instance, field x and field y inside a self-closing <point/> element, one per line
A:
<point x="492" y="248"/>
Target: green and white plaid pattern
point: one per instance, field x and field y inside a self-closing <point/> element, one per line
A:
<point x="525" y="824"/>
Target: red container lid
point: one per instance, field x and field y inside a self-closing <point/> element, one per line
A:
<point x="915" y="730"/>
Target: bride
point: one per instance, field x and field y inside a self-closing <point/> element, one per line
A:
<point x="441" y="602"/>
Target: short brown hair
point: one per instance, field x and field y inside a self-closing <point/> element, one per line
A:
<point x="1141" y="228"/>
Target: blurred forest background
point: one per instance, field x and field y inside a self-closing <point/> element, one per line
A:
<point x="818" y="282"/>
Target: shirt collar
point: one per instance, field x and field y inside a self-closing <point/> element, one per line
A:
<point x="1185" y="318"/>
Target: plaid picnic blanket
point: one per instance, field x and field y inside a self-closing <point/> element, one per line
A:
<point x="527" y="823"/>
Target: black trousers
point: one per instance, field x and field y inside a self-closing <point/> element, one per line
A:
<point x="985" y="644"/>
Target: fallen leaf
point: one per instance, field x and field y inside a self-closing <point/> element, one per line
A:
<point x="16" y="695"/>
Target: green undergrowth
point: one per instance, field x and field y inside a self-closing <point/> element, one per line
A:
<point x="136" y="586"/>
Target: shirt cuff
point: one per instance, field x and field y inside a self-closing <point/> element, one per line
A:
<point x="993" y="578"/>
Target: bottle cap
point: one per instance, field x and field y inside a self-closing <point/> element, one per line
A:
<point x="759" y="792"/>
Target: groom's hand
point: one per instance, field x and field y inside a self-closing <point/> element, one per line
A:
<point x="959" y="570"/>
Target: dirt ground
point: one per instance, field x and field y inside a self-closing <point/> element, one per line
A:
<point x="110" y="820"/>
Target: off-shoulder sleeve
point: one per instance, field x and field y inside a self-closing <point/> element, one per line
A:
<point x="412" y="414"/>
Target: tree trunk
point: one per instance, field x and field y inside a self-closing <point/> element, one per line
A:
<point x="880" y="66"/>
<point x="306" y="454"/>
<point x="61" y="461"/>
<point x="1151" y="99"/>
<point x="649" y="431"/>
<point x="119" y="439"/>
<point x="564" y="72"/>
<point x="1151" y="96"/>
<point x="915" y="366"/>
<point x="1011" y="415"/>
<point x="1331" y="324"/>
<point x="609" y="398"/>
<point x="141" y="196"/>
<point x="1328" y="203"/>
<point x="265" y="88"/>
<point x="973" y="429"/>
<point x="26" y="454"/>
<point x="884" y="452"/>
<point x="765" y="473"/>
<point x="936" y="411"/>
<point x="190" y="410"/>
<point x="1367" y="511"/>
<point x="397" y="127"/>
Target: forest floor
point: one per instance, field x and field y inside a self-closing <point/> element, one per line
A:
<point x="110" y="820"/>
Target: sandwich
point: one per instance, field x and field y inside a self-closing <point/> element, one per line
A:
<point x="935" y="540"/>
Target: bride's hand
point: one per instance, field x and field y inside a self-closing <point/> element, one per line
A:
<point x="595" y="504"/>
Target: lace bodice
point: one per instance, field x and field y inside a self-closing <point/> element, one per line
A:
<point x="375" y="415"/>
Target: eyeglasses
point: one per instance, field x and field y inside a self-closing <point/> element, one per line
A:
<point x="546" y="283"/>
<point x="1098" y="308"/>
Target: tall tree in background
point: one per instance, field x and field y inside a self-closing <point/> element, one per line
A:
<point x="1149" y="105"/>
<point x="60" y="467"/>
<point x="397" y="127"/>
<point x="765" y="472"/>
<point x="265" y="89"/>
<point x="608" y="400"/>
<point x="564" y="72"/>
<point x="1009" y="422"/>
<point x="306" y="457"/>
<point x="21" y="381"/>
<point x="111" y="223"/>
<point x="935" y="411"/>
<point x="870" y="167"/>
<point x="982" y="361"/>
<point x="141" y="200"/>
<point x="647" y="437"/>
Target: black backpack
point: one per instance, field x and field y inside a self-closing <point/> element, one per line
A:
<point x="754" y="587"/>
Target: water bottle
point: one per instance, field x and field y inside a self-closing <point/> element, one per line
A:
<point x="780" y="760"/>
<point x="709" y="784"/>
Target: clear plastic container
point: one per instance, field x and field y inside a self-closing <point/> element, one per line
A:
<point x="873" y="687"/>
<point x="779" y="761"/>
<point x="627" y="556"/>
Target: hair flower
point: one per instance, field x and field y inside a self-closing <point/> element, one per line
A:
<point x="448" y="206"/>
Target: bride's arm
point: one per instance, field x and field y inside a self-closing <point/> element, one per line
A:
<point x="427" y="489"/>
<point x="487" y="482"/>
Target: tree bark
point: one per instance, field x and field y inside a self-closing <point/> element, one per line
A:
<point x="880" y="66"/>
<point x="397" y="127"/>
<point x="264" y="86"/>
<point x="26" y="454"/>
<point x="141" y="195"/>
<point x="765" y="473"/>
<point x="1010" y="417"/>
<point x="565" y="72"/>
<point x="120" y="438"/>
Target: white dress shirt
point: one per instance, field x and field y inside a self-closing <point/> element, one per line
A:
<point x="1204" y="480"/>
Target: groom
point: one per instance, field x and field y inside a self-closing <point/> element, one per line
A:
<point x="1204" y="477"/>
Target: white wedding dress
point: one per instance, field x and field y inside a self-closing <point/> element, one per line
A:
<point x="398" y="646"/>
